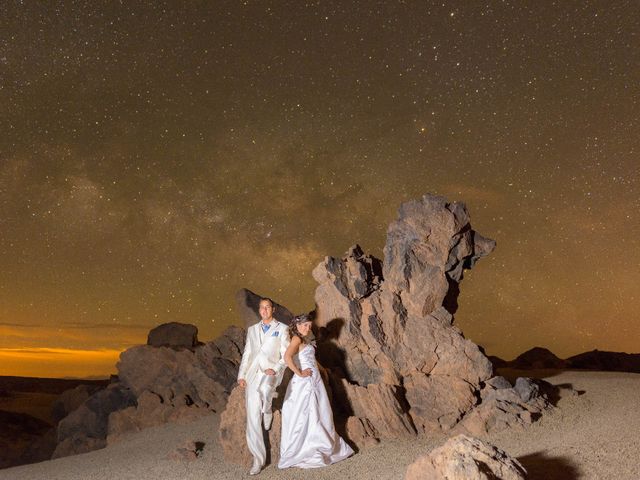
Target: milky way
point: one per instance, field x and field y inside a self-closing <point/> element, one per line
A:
<point x="154" y="159"/>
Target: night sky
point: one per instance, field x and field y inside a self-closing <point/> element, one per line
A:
<point x="156" y="158"/>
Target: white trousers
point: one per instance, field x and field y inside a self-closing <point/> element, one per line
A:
<point x="258" y="396"/>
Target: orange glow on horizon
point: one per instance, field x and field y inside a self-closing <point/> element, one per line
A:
<point x="58" y="362"/>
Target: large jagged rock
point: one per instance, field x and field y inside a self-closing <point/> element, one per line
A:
<point x="391" y="323"/>
<point x="466" y="458"/>
<point x="247" y="304"/>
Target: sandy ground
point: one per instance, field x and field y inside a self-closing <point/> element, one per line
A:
<point x="595" y="435"/>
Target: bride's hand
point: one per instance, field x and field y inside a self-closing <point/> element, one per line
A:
<point x="306" y="372"/>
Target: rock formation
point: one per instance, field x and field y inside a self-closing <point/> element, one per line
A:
<point x="202" y="376"/>
<point x="386" y="328"/>
<point x="397" y="366"/>
<point x="178" y="381"/>
<point x="466" y="458"/>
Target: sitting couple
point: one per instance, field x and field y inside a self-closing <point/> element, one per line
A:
<point x="308" y="438"/>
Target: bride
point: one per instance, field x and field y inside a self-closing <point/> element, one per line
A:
<point x="308" y="438"/>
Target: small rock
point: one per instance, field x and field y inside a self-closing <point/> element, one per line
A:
<point x="466" y="458"/>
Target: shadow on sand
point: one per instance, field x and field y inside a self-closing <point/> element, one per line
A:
<point x="542" y="467"/>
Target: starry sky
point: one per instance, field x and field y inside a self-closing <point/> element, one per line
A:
<point x="157" y="156"/>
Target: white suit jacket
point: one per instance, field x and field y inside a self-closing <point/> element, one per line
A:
<point x="264" y="350"/>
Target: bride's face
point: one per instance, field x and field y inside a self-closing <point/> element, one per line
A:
<point x="304" y="328"/>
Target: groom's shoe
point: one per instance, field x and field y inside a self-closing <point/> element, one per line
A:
<point x="267" y="418"/>
<point x="256" y="467"/>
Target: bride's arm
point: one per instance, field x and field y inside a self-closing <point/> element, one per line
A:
<point x="291" y="351"/>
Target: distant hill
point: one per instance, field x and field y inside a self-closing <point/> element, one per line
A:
<point x="541" y="358"/>
<point x="44" y="385"/>
<point x="537" y="357"/>
<point x="607" y="361"/>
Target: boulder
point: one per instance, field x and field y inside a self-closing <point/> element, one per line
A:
<point x="188" y="451"/>
<point x="70" y="400"/>
<point x="503" y="406"/>
<point x="86" y="428"/>
<point x="174" y="335"/>
<point x="232" y="433"/>
<point x="466" y="458"/>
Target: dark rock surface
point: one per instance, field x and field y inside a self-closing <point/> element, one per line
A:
<point x="247" y="304"/>
<point x="85" y="428"/>
<point x="173" y="334"/>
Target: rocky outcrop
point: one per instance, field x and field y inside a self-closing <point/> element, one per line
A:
<point x="396" y="364"/>
<point x="173" y="334"/>
<point x="388" y="326"/>
<point x="247" y="304"/>
<point x="173" y="385"/>
<point x="466" y="458"/>
<point x="503" y="406"/>
<point x="202" y="377"/>
<point x="178" y="382"/>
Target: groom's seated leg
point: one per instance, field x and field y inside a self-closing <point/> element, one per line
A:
<point x="266" y="389"/>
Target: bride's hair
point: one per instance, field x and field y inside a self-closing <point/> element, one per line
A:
<point x="293" y="327"/>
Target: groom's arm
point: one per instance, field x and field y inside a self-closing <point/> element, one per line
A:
<point x="246" y="355"/>
<point x="284" y="344"/>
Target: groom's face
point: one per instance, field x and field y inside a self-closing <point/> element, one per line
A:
<point x="266" y="310"/>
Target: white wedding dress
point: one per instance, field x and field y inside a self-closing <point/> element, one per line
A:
<point x="309" y="439"/>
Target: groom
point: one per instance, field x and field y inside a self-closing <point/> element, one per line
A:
<point x="260" y="373"/>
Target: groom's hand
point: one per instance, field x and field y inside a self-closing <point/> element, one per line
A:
<point x="242" y="382"/>
<point x="270" y="371"/>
